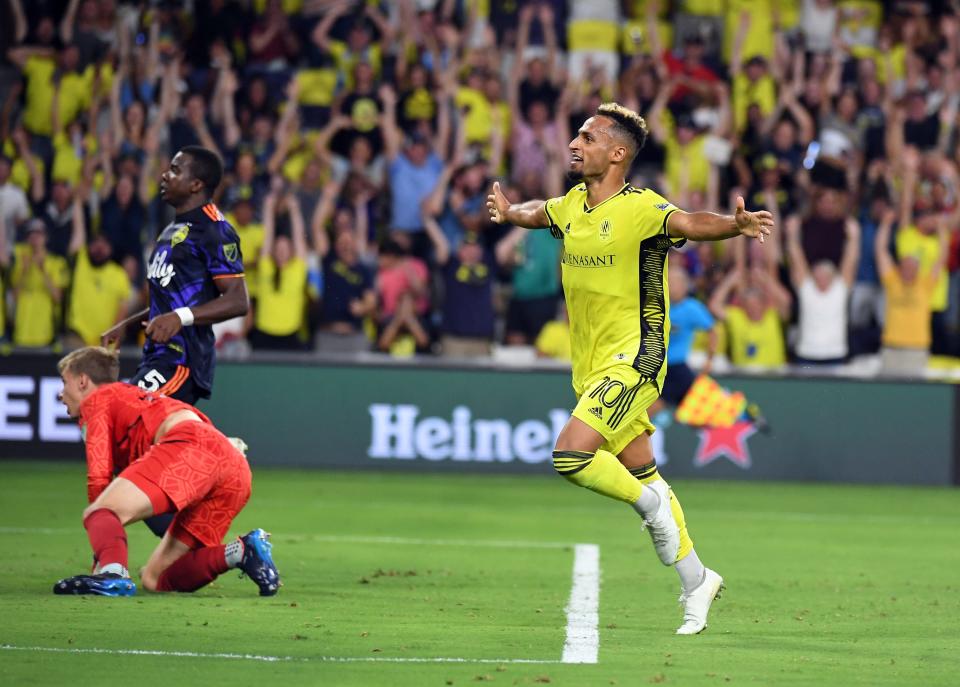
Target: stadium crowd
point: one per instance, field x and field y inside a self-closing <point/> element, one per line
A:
<point x="360" y="139"/>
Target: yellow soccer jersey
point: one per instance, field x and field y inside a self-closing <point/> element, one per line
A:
<point x="614" y="276"/>
<point x="97" y="294"/>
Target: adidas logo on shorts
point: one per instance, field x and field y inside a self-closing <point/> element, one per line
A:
<point x="597" y="412"/>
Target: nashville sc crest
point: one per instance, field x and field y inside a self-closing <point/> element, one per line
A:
<point x="605" y="228"/>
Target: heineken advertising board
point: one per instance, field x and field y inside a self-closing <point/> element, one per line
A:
<point x="441" y="418"/>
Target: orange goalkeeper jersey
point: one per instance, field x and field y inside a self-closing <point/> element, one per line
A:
<point x="118" y="422"/>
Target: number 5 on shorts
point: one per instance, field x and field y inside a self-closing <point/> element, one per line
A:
<point x="152" y="381"/>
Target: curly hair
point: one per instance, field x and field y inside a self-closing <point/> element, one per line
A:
<point x="628" y="125"/>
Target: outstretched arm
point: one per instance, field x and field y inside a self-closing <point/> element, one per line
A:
<point x="434" y="202"/>
<point x="116" y="112"/>
<point x="943" y="233"/>
<point x="78" y="231"/>
<point x="441" y="142"/>
<point x="19" y="21"/>
<point x="655" y="119"/>
<point x="392" y="138"/>
<point x="885" y="263"/>
<point x="298" y="232"/>
<point x="799" y="269"/>
<point x="506" y="249"/>
<point x="554" y="70"/>
<point x="653" y="39"/>
<point x="441" y="246"/>
<point x="525" y="17"/>
<point x="269" y="223"/>
<point x="851" y="252"/>
<point x="227" y="85"/>
<point x="66" y="25"/>
<point x="782" y="300"/>
<point x="22" y="53"/>
<point x="323" y="212"/>
<point x="37" y="184"/>
<point x="530" y="215"/>
<point x="709" y="226"/>
<point x="736" y="54"/>
<point x="286" y="128"/>
<point x="718" y="301"/>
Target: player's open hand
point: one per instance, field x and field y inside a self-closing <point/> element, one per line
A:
<point x="163" y="327"/>
<point x="754" y="225"/>
<point x="497" y="204"/>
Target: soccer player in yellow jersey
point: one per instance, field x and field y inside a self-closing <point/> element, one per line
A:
<point x="614" y="268"/>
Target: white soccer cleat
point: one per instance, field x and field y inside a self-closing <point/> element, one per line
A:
<point x="662" y="526"/>
<point x="696" y="604"/>
<point x="239" y="444"/>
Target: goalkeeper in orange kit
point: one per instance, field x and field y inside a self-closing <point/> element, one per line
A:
<point x="170" y="459"/>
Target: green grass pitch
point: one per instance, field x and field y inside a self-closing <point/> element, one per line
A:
<point x="826" y="585"/>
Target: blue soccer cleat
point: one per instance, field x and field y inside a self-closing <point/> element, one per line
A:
<point x="104" y="584"/>
<point x="257" y="562"/>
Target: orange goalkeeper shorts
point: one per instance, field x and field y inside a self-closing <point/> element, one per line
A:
<point x="197" y="469"/>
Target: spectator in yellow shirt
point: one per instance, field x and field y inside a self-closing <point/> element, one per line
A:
<point x="759" y="17"/>
<point x="909" y="293"/>
<point x="280" y="311"/>
<point x="53" y="79"/>
<point x="553" y="341"/>
<point x="754" y="327"/>
<point x="360" y="46"/>
<point x="924" y="201"/>
<point x="99" y="290"/>
<point x="38" y="281"/>
<point x="754" y="78"/>
<point x="250" y="233"/>
<point x="26" y="171"/>
<point x="687" y="169"/>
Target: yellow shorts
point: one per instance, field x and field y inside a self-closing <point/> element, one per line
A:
<point x="614" y="403"/>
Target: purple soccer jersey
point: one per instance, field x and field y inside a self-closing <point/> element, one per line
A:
<point x="192" y="252"/>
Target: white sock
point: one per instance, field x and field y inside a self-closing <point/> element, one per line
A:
<point x="234" y="553"/>
<point x="648" y="501"/>
<point x="114" y="568"/>
<point x="691" y="571"/>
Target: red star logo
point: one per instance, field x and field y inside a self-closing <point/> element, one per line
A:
<point x="730" y="442"/>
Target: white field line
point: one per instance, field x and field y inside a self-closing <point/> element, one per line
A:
<point x="270" y="659"/>
<point x="583" y="615"/>
<point x="582" y="638"/>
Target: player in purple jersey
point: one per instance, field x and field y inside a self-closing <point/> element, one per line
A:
<point x="195" y="278"/>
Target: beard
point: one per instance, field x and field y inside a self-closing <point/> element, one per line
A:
<point x="573" y="177"/>
<point x="98" y="259"/>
